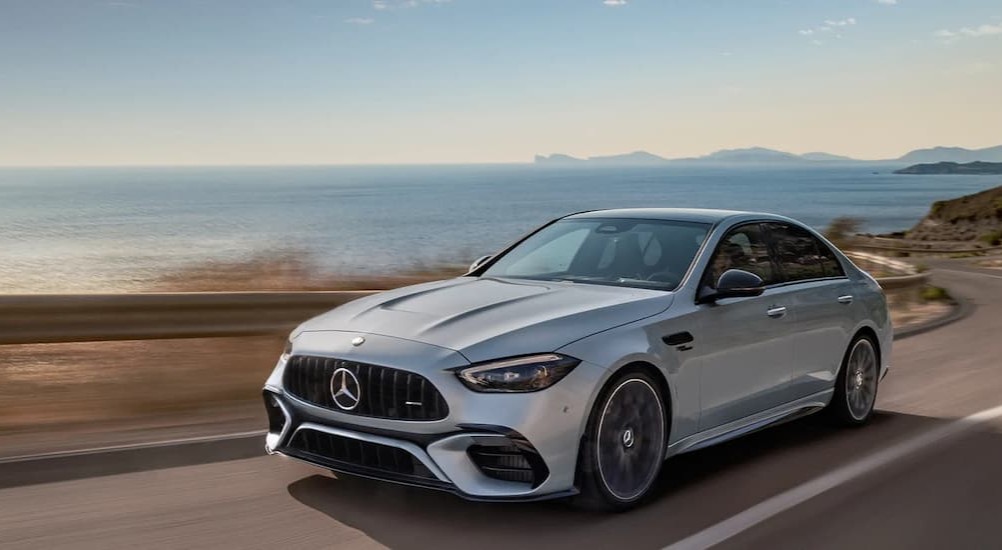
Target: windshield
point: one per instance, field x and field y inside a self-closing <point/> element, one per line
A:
<point x="652" y="254"/>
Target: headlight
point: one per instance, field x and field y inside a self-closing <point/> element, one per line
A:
<point x="287" y="352"/>
<point x="517" y="374"/>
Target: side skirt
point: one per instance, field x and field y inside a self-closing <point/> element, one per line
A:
<point x="754" y="423"/>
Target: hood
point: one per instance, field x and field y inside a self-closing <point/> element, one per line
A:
<point x="486" y="318"/>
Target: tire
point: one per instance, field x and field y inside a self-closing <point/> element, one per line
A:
<point x="623" y="448"/>
<point x="856" y="384"/>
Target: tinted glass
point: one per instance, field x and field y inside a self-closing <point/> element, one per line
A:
<point x="829" y="262"/>
<point x="801" y="255"/>
<point x="643" y="253"/>
<point x="742" y="248"/>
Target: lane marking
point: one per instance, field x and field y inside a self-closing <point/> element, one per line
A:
<point x="969" y="273"/>
<point x="782" y="502"/>
<point x="133" y="446"/>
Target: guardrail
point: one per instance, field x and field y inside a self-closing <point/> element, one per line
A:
<point x="902" y="288"/>
<point x="928" y="250"/>
<point x="47" y="318"/>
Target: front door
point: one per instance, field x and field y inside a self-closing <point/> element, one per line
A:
<point x="746" y="360"/>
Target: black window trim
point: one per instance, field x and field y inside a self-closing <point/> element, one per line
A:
<point x="739" y="225"/>
<point x="767" y="235"/>
<point x="817" y="241"/>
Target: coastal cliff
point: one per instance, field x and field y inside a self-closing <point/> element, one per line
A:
<point x="968" y="218"/>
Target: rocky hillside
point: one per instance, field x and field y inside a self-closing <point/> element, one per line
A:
<point x="975" y="217"/>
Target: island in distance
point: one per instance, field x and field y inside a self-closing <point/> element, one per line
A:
<point x="977" y="168"/>
<point x="762" y="155"/>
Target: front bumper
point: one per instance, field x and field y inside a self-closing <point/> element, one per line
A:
<point x="409" y="459"/>
<point x="488" y="447"/>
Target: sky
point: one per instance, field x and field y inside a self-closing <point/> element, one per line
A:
<point x="247" y="82"/>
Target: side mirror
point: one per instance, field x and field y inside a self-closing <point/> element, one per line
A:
<point x="735" y="283"/>
<point x="479" y="262"/>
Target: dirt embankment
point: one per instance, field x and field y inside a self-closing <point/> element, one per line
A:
<point x="971" y="218"/>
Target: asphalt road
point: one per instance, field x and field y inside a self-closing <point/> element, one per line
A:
<point x="947" y="494"/>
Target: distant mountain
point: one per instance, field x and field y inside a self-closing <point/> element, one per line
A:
<point x="971" y="168"/>
<point x="826" y="157"/>
<point x="636" y="157"/>
<point x="762" y="155"/>
<point x="953" y="154"/>
<point x="557" y="158"/>
<point x="627" y="159"/>
<point x="749" y="155"/>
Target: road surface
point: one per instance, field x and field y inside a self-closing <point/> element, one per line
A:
<point x="946" y="493"/>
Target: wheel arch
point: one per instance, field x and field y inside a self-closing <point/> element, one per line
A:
<point x="866" y="330"/>
<point x="656" y="374"/>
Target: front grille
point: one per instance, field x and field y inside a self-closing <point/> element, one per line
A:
<point x="383" y="392"/>
<point x="507" y="463"/>
<point x="357" y="456"/>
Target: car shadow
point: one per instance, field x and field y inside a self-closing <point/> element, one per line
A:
<point x="695" y="490"/>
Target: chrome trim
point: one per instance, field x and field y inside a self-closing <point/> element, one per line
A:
<point x="338" y="415"/>
<point x="353" y="398"/>
<point x="271" y="441"/>
<point x="411" y="448"/>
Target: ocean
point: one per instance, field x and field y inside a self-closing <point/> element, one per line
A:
<point x="117" y="229"/>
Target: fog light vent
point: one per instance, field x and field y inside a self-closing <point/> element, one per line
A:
<point x="507" y="462"/>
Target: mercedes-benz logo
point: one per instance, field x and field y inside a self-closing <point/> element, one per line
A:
<point x="628" y="438"/>
<point x="345" y="389"/>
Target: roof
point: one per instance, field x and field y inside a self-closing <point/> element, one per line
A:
<point x="702" y="215"/>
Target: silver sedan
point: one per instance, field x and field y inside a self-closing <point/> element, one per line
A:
<point x="574" y="362"/>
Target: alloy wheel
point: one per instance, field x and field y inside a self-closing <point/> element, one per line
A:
<point x="631" y="439"/>
<point x="861" y="379"/>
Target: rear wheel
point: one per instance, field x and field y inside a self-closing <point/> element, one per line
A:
<point x="624" y="444"/>
<point x="856" y="385"/>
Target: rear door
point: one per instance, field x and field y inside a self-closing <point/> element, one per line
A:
<point x="821" y="300"/>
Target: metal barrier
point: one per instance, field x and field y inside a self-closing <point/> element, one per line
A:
<point x="904" y="288"/>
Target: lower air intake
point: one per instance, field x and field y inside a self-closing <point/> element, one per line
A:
<point x="508" y="463"/>
<point x="357" y="456"/>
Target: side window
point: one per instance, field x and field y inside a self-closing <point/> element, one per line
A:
<point x="830" y="263"/>
<point x="800" y="254"/>
<point x="742" y="248"/>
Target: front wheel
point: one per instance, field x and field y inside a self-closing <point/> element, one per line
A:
<point x="624" y="444"/>
<point x="856" y="384"/>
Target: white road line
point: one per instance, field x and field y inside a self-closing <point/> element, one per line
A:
<point x="782" y="502"/>
<point x="969" y="273"/>
<point x="133" y="446"/>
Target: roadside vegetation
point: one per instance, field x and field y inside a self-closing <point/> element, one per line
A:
<point x="843" y="231"/>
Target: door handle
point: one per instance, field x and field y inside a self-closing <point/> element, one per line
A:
<point x="847" y="299"/>
<point x="776" y="311"/>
